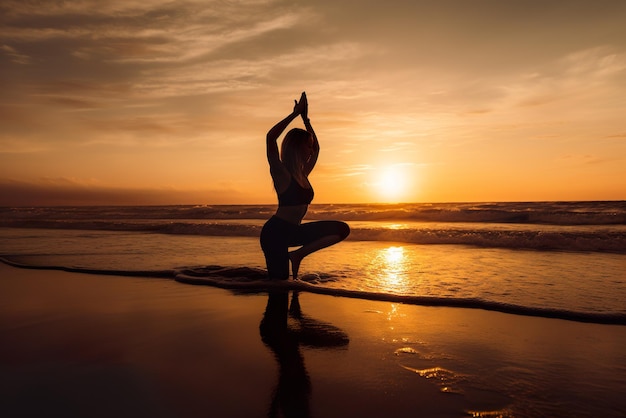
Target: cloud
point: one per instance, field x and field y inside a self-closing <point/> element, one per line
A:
<point x="202" y="81"/>
<point x="12" y="145"/>
<point x="61" y="191"/>
<point x="586" y="159"/>
<point x="14" y="55"/>
<point x="128" y="56"/>
<point x="585" y="73"/>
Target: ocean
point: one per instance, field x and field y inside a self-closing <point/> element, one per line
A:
<point x="555" y="259"/>
<point x="562" y="261"/>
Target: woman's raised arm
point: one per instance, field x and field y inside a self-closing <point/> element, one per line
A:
<point x="273" y="157"/>
<point x="272" y="135"/>
<point x="308" y="167"/>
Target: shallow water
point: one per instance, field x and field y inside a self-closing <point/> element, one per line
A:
<point x="567" y="281"/>
<point x="502" y="365"/>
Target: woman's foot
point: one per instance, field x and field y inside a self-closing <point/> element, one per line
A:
<point x="295" y="263"/>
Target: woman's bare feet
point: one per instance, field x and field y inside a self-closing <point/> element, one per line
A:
<point x="296" y="259"/>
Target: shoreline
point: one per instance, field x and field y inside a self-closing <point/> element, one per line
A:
<point x="105" y="345"/>
<point x="219" y="277"/>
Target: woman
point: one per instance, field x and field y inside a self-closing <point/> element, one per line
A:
<point x="290" y="171"/>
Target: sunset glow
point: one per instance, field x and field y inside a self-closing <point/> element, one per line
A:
<point x="161" y="102"/>
<point x="392" y="185"/>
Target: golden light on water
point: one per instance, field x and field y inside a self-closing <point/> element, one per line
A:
<point x="396" y="226"/>
<point x="394" y="256"/>
<point x="391" y="265"/>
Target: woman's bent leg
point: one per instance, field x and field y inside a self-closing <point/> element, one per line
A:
<point x="313" y="236"/>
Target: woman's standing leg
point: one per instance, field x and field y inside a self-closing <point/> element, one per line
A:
<point x="274" y="242"/>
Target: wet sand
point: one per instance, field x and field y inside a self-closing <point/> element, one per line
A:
<point x="78" y="345"/>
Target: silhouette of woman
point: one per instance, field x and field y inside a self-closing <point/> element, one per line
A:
<point x="290" y="171"/>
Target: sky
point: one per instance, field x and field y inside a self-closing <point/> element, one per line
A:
<point x="168" y="102"/>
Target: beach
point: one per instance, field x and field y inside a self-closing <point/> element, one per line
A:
<point x="434" y="310"/>
<point x="313" y="209"/>
<point x="80" y="345"/>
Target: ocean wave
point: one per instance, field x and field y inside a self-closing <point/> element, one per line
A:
<point x="542" y="238"/>
<point x="245" y="279"/>
<point x="542" y="213"/>
<point x="557" y="240"/>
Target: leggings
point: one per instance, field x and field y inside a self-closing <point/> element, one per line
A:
<point x="278" y="235"/>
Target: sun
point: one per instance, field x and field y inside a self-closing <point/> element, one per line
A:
<point x="391" y="184"/>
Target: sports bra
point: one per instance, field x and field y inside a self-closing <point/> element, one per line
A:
<point x="295" y="195"/>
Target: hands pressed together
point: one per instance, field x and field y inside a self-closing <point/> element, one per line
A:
<point x="302" y="107"/>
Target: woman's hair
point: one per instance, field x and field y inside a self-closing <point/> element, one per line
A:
<point x="293" y="152"/>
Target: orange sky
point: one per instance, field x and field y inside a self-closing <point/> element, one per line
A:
<point x="158" y="102"/>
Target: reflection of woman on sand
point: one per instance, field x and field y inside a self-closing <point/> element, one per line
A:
<point x="291" y="396"/>
<point x="290" y="171"/>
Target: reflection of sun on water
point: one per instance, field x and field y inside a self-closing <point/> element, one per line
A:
<point x="394" y="256"/>
<point x="391" y="268"/>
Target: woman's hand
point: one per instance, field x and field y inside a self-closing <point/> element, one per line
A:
<point x="301" y="107"/>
